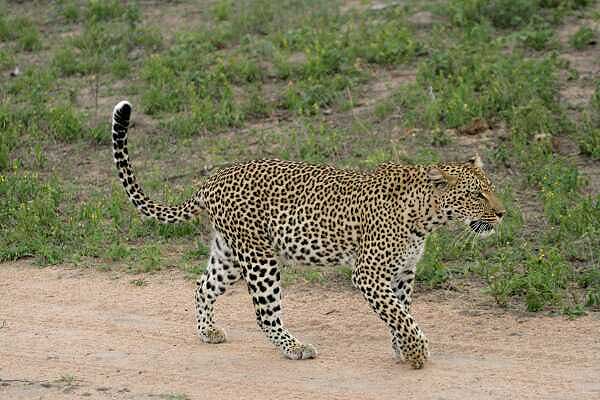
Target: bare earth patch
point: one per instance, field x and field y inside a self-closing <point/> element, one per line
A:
<point x="72" y="334"/>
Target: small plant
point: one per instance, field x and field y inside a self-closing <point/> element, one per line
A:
<point x="345" y="272"/>
<point x="67" y="380"/>
<point x="589" y="141"/>
<point x="440" y="137"/>
<point x="589" y="129"/>
<point x="574" y="311"/>
<point x="256" y="106"/>
<point x="377" y="157"/>
<point x="541" y="279"/>
<point x="66" y="63"/>
<point x="118" y="251"/>
<point x="5" y="29"/>
<point x="23" y="31"/>
<point x="545" y="280"/>
<point x="198" y="253"/>
<point x="315" y="143"/>
<point x="538" y="37"/>
<point x="222" y="10"/>
<point x="4" y="155"/>
<point x="65" y="124"/>
<point x="313" y="276"/>
<point x="98" y="10"/>
<point x="430" y="269"/>
<point x="584" y="37"/>
<point x="69" y="10"/>
<point x="501" y="13"/>
<point x="148" y="259"/>
<point x="386" y="42"/>
<point x="7" y="60"/>
<point x="29" y="38"/>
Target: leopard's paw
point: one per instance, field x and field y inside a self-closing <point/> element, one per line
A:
<point x="419" y="352"/>
<point x="213" y="335"/>
<point x="300" y="351"/>
<point x="412" y="349"/>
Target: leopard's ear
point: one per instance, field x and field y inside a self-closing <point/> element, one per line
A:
<point x="476" y="161"/>
<point x="440" y="178"/>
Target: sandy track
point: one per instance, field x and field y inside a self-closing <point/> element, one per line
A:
<point x="72" y="334"/>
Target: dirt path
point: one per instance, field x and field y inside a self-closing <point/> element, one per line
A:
<point x="72" y="334"/>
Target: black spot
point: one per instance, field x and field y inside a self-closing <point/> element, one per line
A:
<point x="123" y="114"/>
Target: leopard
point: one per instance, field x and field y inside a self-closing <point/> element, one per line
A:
<point x="268" y="213"/>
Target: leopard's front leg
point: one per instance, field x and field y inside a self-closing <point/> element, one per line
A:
<point x="402" y="285"/>
<point x="375" y="283"/>
<point x="403" y="278"/>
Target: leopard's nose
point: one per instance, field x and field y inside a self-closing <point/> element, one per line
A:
<point x="500" y="213"/>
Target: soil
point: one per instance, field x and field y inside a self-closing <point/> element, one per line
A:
<point x="77" y="333"/>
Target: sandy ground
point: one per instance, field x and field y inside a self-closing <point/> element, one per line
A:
<point x="73" y="334"/>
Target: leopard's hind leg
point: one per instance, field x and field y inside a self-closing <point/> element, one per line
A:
<point x="222" y="271"/>
<point x="263" y="277"/>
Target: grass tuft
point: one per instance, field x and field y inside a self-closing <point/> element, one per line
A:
<point x="584" y="37"/>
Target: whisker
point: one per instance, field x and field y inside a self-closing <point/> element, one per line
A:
<point x="499" y="234"/>
<point x="459" y="239"/>
<point x="464" y="237"/>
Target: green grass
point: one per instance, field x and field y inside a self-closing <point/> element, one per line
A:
<point x="540" y="278"/>
<point x="538" y="36"/>
<point x="584" y="37"/>
<point x="510" y="14"/>
<point x="41" y="220"/>
<point x="589" y="128"/>
<point x="22" y="32"/>
<point x="292" y="79"/>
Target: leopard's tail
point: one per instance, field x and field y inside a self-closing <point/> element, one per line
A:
<point x="166" y="214"/>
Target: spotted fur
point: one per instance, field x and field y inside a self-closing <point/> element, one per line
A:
<point x="267" y="212"/>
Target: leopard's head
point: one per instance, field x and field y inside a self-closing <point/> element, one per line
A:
<point x="465" y="193"/>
